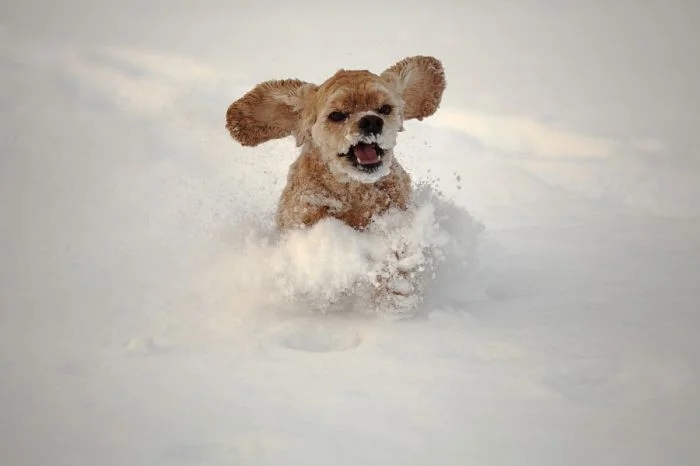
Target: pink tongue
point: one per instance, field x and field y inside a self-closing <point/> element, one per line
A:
<point x="366" y="154"/>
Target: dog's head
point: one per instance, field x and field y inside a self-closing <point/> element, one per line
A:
<point x="352" y="119"/>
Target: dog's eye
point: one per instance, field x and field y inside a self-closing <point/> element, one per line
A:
<point x="385" y="109"/>
<point x="337" y="116"/>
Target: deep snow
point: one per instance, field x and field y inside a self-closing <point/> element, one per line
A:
<point x="145" y="313"/>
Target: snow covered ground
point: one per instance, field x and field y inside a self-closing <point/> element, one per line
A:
<point x="141" y="317"/>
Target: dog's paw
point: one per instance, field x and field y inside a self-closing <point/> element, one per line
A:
<point x="396" y="295"/>
<point x="410" y="264"/>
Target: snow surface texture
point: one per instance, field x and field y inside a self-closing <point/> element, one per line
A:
<point x="150" y="316"/>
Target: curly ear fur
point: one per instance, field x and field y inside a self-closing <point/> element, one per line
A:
<point x="420" y="80"/>
<point x="271" y="110"/>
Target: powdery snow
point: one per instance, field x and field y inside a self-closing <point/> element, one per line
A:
<point x="150" y="315"/>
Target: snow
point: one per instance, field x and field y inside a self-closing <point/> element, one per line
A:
<point x="333" y="265"/>
<point x="149" y="315"/>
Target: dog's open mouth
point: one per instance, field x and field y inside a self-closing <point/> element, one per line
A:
<point x="364" y="156"/>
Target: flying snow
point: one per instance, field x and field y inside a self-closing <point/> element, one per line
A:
<point x="331" y="267"/>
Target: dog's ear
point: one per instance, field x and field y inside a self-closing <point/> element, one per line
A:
<point x="271" y="110"/>
<point x="420" y="81"/>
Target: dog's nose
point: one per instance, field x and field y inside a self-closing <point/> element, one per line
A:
<point x="370" y="124"/>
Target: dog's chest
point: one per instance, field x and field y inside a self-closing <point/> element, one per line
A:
<point x="362" y="204"/>
<point x="313" y="192"/>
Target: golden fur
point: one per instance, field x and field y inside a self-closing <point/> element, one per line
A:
<point x="320" y="182"/>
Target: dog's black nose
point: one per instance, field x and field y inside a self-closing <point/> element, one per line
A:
<point x="370" y="124"/>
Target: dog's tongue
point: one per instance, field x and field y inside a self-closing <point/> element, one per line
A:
<point x="366" y="154"/>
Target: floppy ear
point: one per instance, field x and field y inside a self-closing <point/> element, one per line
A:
<point x="271" y="110"/>
<point x="420" y="81"/>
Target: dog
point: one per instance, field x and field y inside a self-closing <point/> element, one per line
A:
<point x="347" y="129"/>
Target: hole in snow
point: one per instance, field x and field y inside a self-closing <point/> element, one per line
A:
<point x="320" y="339"/>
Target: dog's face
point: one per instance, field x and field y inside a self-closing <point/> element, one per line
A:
<point x="351" y="120"/>
<point x="356" y="118"/>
